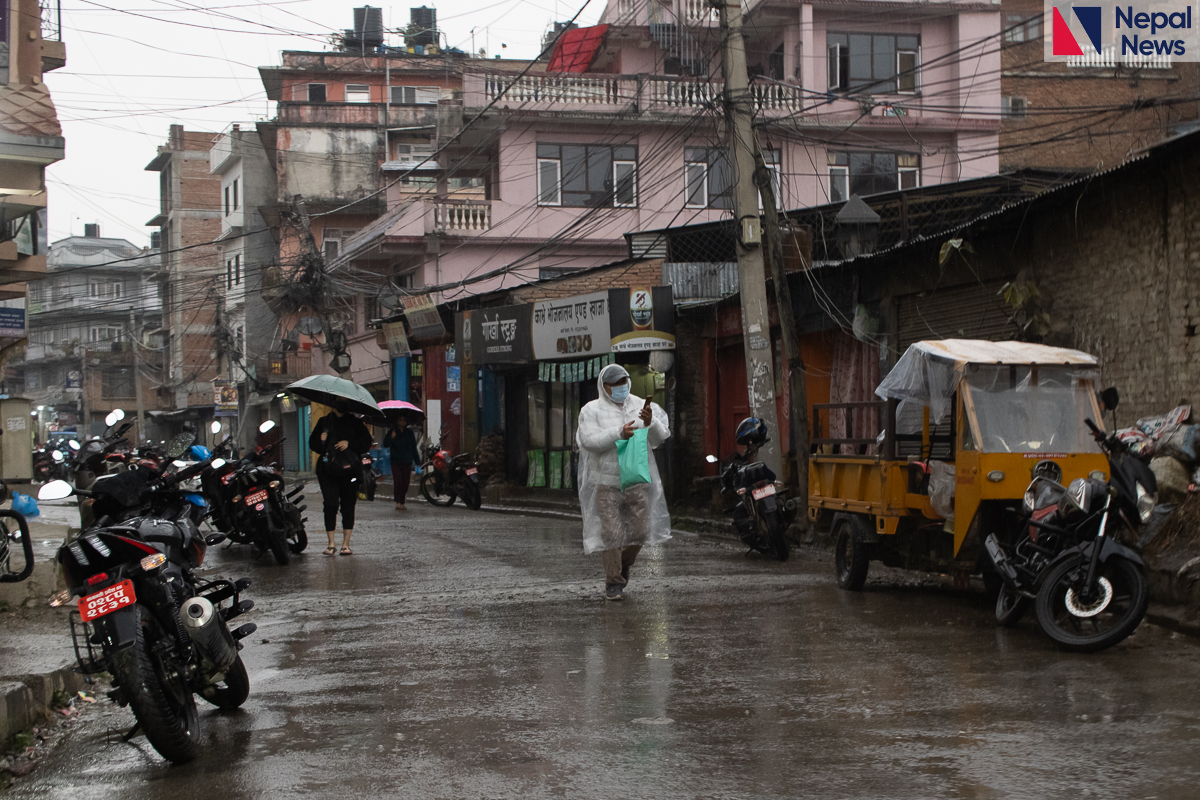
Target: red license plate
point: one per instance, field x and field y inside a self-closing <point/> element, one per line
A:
<point x="368" y="461"/>
<point x="765" y="491"/>
<point x="107" y="601"/>
<point x="472" y="471"/>
<point x="227" y="479"/>
<point x="257" y="497"/>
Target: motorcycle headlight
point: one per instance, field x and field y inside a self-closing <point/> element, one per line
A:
<point x="1145" y="502"/>
<point x="1028" y="500"/>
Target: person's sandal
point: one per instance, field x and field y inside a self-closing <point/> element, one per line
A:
<point x="346" y="551"/>
<point x="329" y="551"/>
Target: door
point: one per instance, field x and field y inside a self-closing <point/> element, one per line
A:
<point x="733" y="399"/>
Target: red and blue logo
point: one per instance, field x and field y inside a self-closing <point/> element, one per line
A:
<point x="1065" y="43"/>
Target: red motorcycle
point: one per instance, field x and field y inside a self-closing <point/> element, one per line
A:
<point x="445" y="477"/>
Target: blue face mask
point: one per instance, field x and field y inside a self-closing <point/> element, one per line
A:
<point x="619" y="393"/>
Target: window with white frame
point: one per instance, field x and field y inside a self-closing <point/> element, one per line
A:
<point x="104" y="289"/>
<point x="233" y="271"/>
<point x="104" y="334"/>
<point x="415" y="95"/>
<point x="236" y="203"/>
<point x="358" y="93"/>
<point x="587" y="175"/>
<point x="878" y="63"/>
<point x="708" y="178"/>
<point x="1013" y="107"/>
<point x="332" y="239"/>
<point x="411" y="151"/>
<point x="771" y="158"/>
<point x="863" y="174"/>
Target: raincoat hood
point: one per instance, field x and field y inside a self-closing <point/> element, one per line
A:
<point x="610" y="374"/>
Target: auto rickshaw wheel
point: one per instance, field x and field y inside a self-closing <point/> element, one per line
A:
<point x="851" y="556"/>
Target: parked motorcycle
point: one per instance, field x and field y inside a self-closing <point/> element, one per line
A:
<point x="763" y="511"/>
<point x="102" y="455"/>
<point x="370" y="478"/>
<point x="445" y="477"/>
<point x="250" y="502"/>
<point x="146" y="617"/>
<point x="1087" y="589"/>
<point x="11" y="541"/>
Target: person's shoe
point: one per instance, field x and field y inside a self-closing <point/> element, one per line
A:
<point x="613" y="592"/>
<point x="625" y="572"/>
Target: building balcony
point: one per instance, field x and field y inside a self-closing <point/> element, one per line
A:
<point x="287" y="367"/>
<point x="457" y="217"/>
<point x="696" y="13"/>
<point x="332" y="114"/>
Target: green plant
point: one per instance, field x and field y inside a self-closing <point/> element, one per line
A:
<point x="1029" y="304"/>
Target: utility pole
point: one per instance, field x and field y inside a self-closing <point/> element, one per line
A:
<point x="756" y="325"/>
<point x="797" y="391"/>
<point x="137" y="379"/>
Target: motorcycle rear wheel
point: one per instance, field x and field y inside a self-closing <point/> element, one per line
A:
<point x="1119" y="618"/>
<point x="471" y="497"/>
<point x="233" y="690"/>
<point x="1010" y="606"/>
<point x="158" y="694"/>
<point x="777" y="537"/>
<point x="277" y="541"/>
<point x="436" y="495"/>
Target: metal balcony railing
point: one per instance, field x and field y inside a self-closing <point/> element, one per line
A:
<point x="51" y="19"/>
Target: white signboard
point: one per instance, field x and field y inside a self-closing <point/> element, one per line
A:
<point x="573" y="327"/>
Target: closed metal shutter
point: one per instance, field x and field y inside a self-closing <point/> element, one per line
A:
<point x="963" y="312"/>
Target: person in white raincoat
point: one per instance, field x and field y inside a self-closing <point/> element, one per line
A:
<point x="619" y="523"/>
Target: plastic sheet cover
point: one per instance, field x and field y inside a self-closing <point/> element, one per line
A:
<point x="928" y="373"/>
<point x="612" y="518"/>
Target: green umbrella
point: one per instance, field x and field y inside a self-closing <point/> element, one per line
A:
<point x="327" y="390"/>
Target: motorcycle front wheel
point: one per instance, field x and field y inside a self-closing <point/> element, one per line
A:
<point x="777" y="537"/>
<point x="471" y="497"/>
<point x="157" y="692"/>
<point x="277" y="541"/>
<point x="1081" y="623"/>
<point x="435" y="490"/>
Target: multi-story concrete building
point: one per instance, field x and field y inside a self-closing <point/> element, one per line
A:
<point x="95" y="327"/>
<point x="1091" y="112"/>
<point x="191" y="274"/>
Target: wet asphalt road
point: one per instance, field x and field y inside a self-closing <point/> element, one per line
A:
<point x="469" y="655"/>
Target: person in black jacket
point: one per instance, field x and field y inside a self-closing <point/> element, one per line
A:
<point x="403" y="443"/>
<point x="341" y="440"/>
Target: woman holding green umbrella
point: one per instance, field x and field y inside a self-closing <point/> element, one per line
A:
<point x="340" y="439"/>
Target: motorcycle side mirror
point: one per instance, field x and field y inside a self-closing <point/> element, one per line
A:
<point x="217" y="463"/>
<point x="1110" y="397"/>
<point x="56" y="490"/>
<point x="179" y="444"/>
<point x="214" y="539"/>
<point x="121" y="430"/>
<point x="74" y="445"/>
<point x="179" y="464"/>
<point x="215" y="427"/>
<point x="114" y="416"/>
<point x="266" y="426"/>
<point x="57" y="455"/>
<point x="711" y="459"/>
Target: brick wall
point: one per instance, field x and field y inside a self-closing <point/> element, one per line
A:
<point x="1090" y="129"/>
<point x="642" y="273"/>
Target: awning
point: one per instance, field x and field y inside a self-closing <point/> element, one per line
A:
<point x="576" y="48"/>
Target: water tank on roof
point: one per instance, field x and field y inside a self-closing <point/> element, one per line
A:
<point x="423" y="26"/>
<point x="368" y="29"/>
<point x="91" y="230"/>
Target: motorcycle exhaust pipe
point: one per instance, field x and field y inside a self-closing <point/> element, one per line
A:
<point x="208" y="634"/>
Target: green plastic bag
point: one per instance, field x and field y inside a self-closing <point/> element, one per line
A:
<point x="633" y="455"/>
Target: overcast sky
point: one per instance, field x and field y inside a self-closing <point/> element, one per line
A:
<point x="136" y="67"/>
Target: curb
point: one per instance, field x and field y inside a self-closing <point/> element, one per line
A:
<point x="26" y="698"/>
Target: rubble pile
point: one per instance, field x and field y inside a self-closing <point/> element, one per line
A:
<point x="1172" y="444"/>
<point x="489" y="456"/>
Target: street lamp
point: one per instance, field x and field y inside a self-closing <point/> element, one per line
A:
<point x="857" y="228"/>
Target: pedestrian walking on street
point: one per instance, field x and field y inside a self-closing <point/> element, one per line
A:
<point x="403" y="443"/>
<point x="340" y="439"/>
<point x="619" y="523"/>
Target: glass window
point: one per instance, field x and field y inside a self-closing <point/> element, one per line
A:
<point x="358" y="93"/>
<point x="1019" y="409"/>
<point x="557" y="414"/>
<point x="707" y="167"/>
<point x="1022" y="27"/>
<point x="584" y="176"/>
<point x="625" y="181"/>
<point x="535" y="392"/>
<point x="548" y="182"/>
<point x="866" y="173"/>
<point x="316" y="93"/>
<point x="879" y="63"/>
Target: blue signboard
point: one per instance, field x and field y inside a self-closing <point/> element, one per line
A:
<point x="12" y="322"/>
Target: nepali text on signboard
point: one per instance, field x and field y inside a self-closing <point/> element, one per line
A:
<point x="494" y="335"/>
<point x="12" y="322"/>
<point x="571" y="327"/>
<point x="397" y="340"/>
<point x="642" y="318"/>
<point x="424" y="321"/>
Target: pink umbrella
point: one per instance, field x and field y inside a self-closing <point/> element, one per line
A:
<point x="393" y="407"/>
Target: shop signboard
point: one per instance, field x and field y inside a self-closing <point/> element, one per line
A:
<point x="225" y="393"/>
<point x="424" y="321"/>
<point x="12" y="322"/>
<point x="397" y="340"/>
<point x="494" y="335"/>
<point x="571" y="327"/>
<point x="642" y="318"/>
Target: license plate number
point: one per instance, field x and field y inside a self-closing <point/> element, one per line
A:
<point x="765" y="491"/>
<point x="257" y="497"/>
<point x="472" y="471"/>
<point x="227" y="479"/>
<point x="368" y="462"/>
<point x="107" y="601"/>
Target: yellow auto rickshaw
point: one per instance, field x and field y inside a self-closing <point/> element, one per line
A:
<point x="964" y="425"/>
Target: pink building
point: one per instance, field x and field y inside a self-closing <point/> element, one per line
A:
<point x="550" y="169"/>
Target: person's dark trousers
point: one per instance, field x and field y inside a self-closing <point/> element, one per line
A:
<point x="401" y="476"/>
<point x="338" y="493"/>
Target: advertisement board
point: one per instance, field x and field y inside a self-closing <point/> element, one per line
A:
<point x="642" y="318"/>
<point x="494" y="335"/>
<point x="424" y="321"/>
<point x="571" y="327"/>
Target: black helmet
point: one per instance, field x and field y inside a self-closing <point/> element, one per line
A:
<point x="751" y="432"/>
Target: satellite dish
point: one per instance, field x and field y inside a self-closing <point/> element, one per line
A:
<point x="309" y="326"/>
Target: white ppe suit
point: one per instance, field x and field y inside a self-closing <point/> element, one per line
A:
<point x="612" y="518"/>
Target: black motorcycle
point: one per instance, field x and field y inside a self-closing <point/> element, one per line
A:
<point x="10" y="541"/>
<point x="1065" y="560"/>
<point x="103" y="455"/>
<point x="445" y="477"/>
<point x="763" y="511"/>
<point x="146" y="617"/>
<point x="249" y="502"/>
<point x="370" y="478"/>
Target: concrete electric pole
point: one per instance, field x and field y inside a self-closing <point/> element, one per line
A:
<point x="756" y="326"/>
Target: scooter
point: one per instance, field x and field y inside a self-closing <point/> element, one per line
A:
<point x="445" y="477"/>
